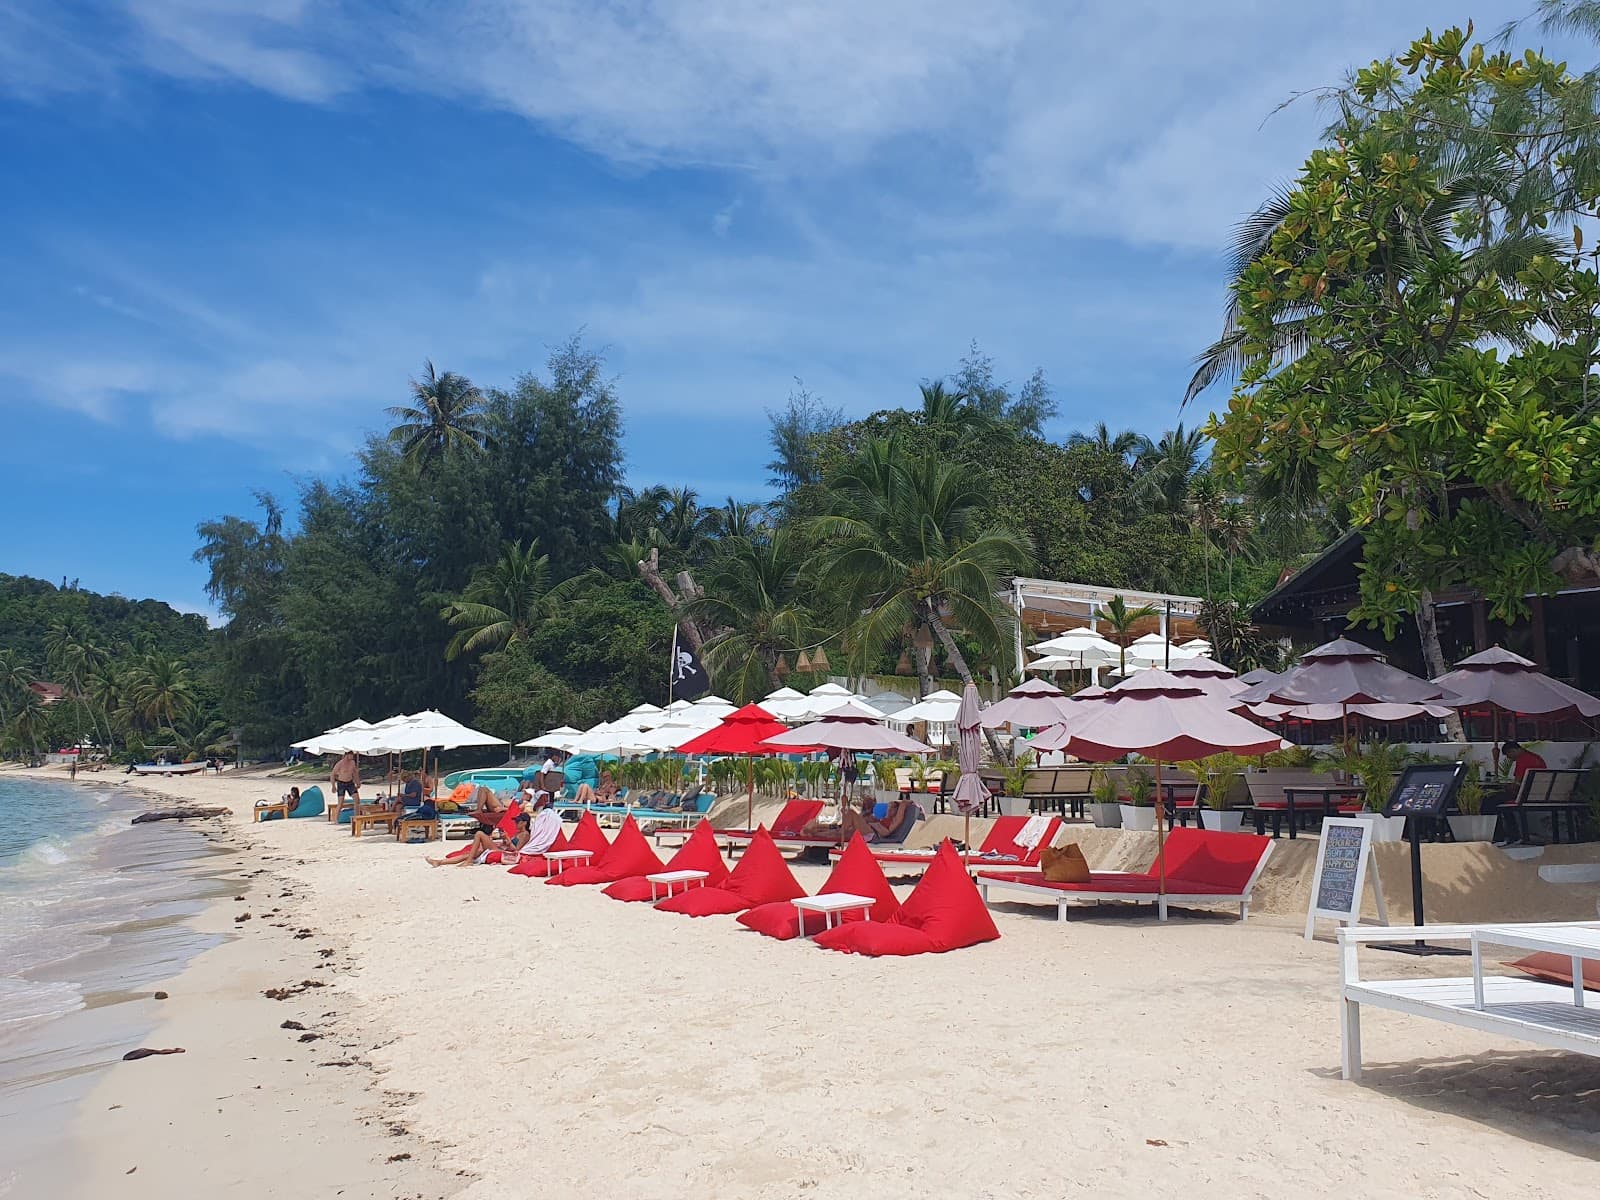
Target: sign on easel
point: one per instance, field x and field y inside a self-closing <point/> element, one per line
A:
<point x="1343" y="862"/>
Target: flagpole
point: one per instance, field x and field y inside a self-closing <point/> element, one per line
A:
<point x="672" y="665"/>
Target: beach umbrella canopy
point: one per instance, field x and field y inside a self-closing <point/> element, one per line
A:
<point x="1032" y="704"/>
<point x="1159" y="716"/>
<point x="846" y="728"/>
<point x="743" y="731"/>
<point x="1499" y="679"/>
<point x="936" y="708"/>
<point x="559" y="738"/>
<point x="712" y="701"/>
<point x="1317" y="713"/>
<point x="331" y="738"/>
<point x="1084" y="646"/>
<point x="852" y="706"/>
<point x="970" y="794"/>
<point x="1346" y="672"/>
<point x="1260" y="675"/>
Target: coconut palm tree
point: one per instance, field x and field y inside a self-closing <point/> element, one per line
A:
<point x="1129" y="446"/>
<point x="504" y="602"/>
<point x="754" y="595"/>
<point x="25" y="729"/>
<point x="1116" y="616"/>
<point x="14" y="681"/>
<point x="1169" y="468"/>
<point x="738" y="519"/>
<point x="1206" y="501"/>
<point x="447" y="414"/>
<point x="1234" y="528"/>
<point x="160" y="691"/>
<point x="907" y="540"/>
<point x="951" y="411"/>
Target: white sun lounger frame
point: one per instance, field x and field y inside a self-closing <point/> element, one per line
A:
<point x="1527" y="1009"/>
<point x="1083" y="896"/>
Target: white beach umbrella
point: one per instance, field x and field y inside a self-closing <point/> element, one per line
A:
<point x="849" y="707"/>
<point x="712" y="701"/>
<point x="1056" y="662"/>
<point x="313" y="745"/>
<point x="937" y="708"/>
<point x="559" y="738"/>
<point x="1086" y="647"/>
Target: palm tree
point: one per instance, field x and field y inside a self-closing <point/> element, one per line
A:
<point x="1129" y="446"/>
<point x="1121" y="619"/>
<point x="738" y="519"/>
<point x="1235" y="525"/>
<point x="950" y="412"/>
<point x="907" y="540"/>
<point x="447" y="414"/>
<point x="1206" y="500"/>
<point x="14" y="681"/>
<point x="754" y="595"/>
<point x="160" y="690"/>
<point x="504" y="602"/>
<point x="1169" y="468"/>
<point x="25" y="729"/>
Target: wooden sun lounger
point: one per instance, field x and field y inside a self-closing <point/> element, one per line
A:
<point x="1530" y="1010"/>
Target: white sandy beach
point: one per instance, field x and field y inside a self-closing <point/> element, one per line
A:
<point x="531" y="1040"/>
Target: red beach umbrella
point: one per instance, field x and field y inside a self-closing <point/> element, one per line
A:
<point x="1159" y="716"/>
<point x="743" y="731"/>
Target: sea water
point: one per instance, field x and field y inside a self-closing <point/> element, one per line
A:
<point x="93" y="913"/>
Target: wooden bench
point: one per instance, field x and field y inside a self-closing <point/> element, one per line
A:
<point x="1530" y="1010"/>
<point x="1548" y="791"/>
<point x="1270" y="803"/>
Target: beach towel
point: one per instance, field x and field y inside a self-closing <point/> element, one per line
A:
<point x="1038" y="825"/>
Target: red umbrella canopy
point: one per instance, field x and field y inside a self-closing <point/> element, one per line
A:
<point x="1032" y="703"/>
<point x="1497" y="678"/>
<point x="1346" y="672"/>
<point x="1159" y="716"/>
<point x="740" y="732"/>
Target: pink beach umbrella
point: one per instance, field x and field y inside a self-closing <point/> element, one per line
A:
<point x="1161" y="717"/>
<point x="846" y="729"/>
<point x="1032" y="704"/>
<point x="1502" y="682"/>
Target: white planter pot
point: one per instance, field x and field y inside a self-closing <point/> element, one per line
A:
<point x="1106" y="816"/>
<point x="1384" y="829"/>
<point x="1476" y="828"/>
<point x="1221" y="820"/>
<point x="1140" y="820"/>
<point x="1012" y="806"/>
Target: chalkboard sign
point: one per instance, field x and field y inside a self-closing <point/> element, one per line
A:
<point x="1425" y="790"/>
<point x="1342" y="861"/>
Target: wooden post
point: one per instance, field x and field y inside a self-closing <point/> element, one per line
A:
<point x="1480" y="626"/>
<point x="1541" y="654"/>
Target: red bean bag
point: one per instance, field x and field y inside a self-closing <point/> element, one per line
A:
<point x="761" y="877"/>
<point x="943" y="912"/>
<point x="508" y="819"/>
<point x="856" y="871"/>
<point x="587" y="836"/>
<point x="699" y="853"/>
<point x="629" y="854"/>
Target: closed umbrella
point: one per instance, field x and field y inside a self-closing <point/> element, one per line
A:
<point x="1161" y="717"/>
<point x="1032" y="704"/>
<point x="971" y="793"/>
<point x="743" y="731"/>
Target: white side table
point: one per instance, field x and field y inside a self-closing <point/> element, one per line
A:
<point x="833" y="906"/>
<point x="1576" y="941"/>
<point x="562" y="858"/>
<point x="671" y="879"/>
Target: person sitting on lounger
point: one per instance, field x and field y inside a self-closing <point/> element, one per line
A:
<point x="606" y="793"/>
<point x="486" y="848"/>
<point x="853" y="821"/>
<point x="490" y="809"/>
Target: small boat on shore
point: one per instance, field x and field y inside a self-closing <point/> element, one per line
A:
<point x="189" y="768"/>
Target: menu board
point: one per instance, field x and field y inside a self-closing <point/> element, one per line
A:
<point x="1424" y="790"/>
<point x="1342" y="861"/>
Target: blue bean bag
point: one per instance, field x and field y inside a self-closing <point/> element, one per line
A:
<point x="311" y="804"/>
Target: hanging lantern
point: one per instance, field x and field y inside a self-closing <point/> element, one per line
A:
<point x="903" y="667"/>
<point x="819" y="660"/>
<point x="802" y="662"/>
<point x="782" y="668"/>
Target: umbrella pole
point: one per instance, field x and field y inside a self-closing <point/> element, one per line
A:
<point x="750" y="795"/>
<point x="966" y="843"/>
<point x="1161" y="835"/>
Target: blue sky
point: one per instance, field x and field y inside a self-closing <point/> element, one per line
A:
<point x="234" y="228"/>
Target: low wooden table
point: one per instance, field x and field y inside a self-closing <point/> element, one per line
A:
<point x="670" y="879"/>
<point x="563" y="857"/>
<point x="833" y="906"/>
<point x="283" y="808"/>
<point x="362" y="821"/>
<point x="405" y="825"/>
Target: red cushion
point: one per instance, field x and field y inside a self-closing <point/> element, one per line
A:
<point x="856" y="871"/>
<point x="876" y="938"/>
<point x="946" y="906"/>
<point x="699" y="853"/>
<point x="704" y="902"/>
<point x="628" y="855"/>
<point x="796" y="815"/>
<point x="589" y="836"/>
<point x="1557" y="968"/>
<point x="508" y="820"/>
<point x="1221" y="861"/>
<point x="534" y="865"/>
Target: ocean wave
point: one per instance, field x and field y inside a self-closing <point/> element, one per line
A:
<point x="23" y="1000"/>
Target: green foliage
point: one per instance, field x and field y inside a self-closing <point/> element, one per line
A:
<point x="1409" y="331"/>
<point x="1217" y="774"/>
<point x="30" y="608"/>
<point x="1103" y="786"/>
<point x="1470" y="791"/>
<point x="445" y="417"/>
<point x="1015" y="774"/>
<point x="1141" y="785"/>
<point x="755" y="595"/>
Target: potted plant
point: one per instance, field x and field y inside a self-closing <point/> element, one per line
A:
<point x="1377" y="765"/>
<point x="1104" y="809"/>
<point x="1015" y="777"/>
<point x="1218" y="773"/>
<point x="1138" y="806"/>
<point x="1470" y="825"/>
<point x="886" y="787"/>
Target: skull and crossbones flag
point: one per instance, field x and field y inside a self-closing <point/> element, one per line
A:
<point x="686" y="678"/>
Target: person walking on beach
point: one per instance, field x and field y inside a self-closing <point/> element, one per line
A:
<point x="345" y="778"/>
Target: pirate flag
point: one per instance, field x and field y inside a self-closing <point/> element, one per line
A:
<point x="686" y="678"/>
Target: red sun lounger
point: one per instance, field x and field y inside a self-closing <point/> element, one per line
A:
<point x="1203" y="868"/>
<point x="999" y="850"/>
<point x="794" y="817"/>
